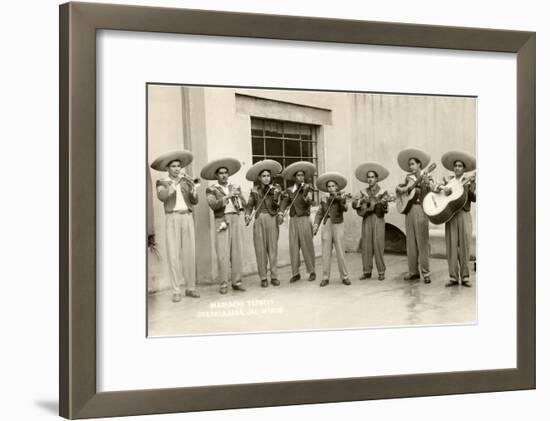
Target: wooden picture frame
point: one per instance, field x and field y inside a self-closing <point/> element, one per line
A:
<point x="79" y="22"/>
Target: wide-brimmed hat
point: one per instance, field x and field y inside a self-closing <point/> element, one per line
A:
<point x="307" y="167"/>
<point x="331" y="176"/>
<point x="363" y="169"/>
<point x="406" y="154"/>
<point x="209" y="170"/>
<point x="161" y="163"/>
<point x="267" y="164"/>
<point x="448" y="160"/>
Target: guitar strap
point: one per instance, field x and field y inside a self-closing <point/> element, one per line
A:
<point x="415" y="186"/>
<point x="419" y="187"/>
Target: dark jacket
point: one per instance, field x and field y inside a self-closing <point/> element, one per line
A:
<point x="336" y="211"/>
<point x="302" y="204"/>
<point x="471" y="198"/>
<point x="270" y="204"/>
<point x="169" y="198"/>
<point x="215" y="195"/>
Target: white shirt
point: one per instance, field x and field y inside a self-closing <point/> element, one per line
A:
<point x="229" y="207"/>
<point x="180" y="206"/>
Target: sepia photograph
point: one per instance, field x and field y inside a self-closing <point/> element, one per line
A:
<point x="281" y="210"/>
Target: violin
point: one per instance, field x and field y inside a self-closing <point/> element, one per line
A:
<point x="341" y="195"/>
<point x="274" y="189"/>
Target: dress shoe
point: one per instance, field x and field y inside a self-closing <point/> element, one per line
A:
<point x="264" y="283"/>
<point x="365" y="275"/>
<point x="427" y="280"/>
<point x="466" y="284"/>
<point x="275" y="282"/>
<point x="324" y="283"/>
<point x="346" y="281"/>
<point x="176" y="297"/>
<point x="294" y="278"/>
<point x="223" y="289"/>
<point x="412" y="277"/>
<point x="238" y="287"/>
<point x="381" y="276"/>
<point x="451" y="283"/>
<point x="312" y="277"/>
<point x="192" y="294"/>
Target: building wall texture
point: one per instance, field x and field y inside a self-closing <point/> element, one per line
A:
<point x="352" y="128"/>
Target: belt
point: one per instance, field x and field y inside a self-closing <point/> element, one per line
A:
<point x="182" y="212"/>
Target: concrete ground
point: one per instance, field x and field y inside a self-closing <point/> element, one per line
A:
<point x="305" y="306"/>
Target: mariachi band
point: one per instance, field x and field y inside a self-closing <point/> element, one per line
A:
<point x="420" y="198"/>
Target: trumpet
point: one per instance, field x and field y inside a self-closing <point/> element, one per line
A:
<point x="194" y="182"/>
<point x="235" y="195"/>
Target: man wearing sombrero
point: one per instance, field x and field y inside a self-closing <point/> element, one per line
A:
<point x="371" y="206"/>
<point x="264" y="202"/>
<point x="178" y="194"/>
<point x="458" y="230"/>
<point x="413" y="161"/>
<point x="298" y="198"/>
<point x="227" y="202"/>
<point x="330" y="216"/>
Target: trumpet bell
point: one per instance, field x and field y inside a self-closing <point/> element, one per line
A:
<point x="195" y="181"/>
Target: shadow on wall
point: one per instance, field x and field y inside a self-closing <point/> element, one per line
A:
<point x="396" y="242"/>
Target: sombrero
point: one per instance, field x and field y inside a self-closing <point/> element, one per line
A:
<point x="307" y="167"/>
<point x="363" y="169"/>
<point x="161" y="163"/>
<point x="331" y="176"/>
<point x="406" y="154"/>
<point x="267" y="164"/>
<point x="209" y="170"/>
<point x="448" y="160"/>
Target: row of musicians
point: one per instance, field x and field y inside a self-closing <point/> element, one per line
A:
<point x="268" y="204"/>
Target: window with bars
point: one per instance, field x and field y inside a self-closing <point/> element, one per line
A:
<point x="285" y="142"/>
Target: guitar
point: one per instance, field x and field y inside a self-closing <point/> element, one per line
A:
<point x="367" y="203"/>
<point x="405" y="200"/>
<point x="440" y="206"/>
<point x="383" y="199"/>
